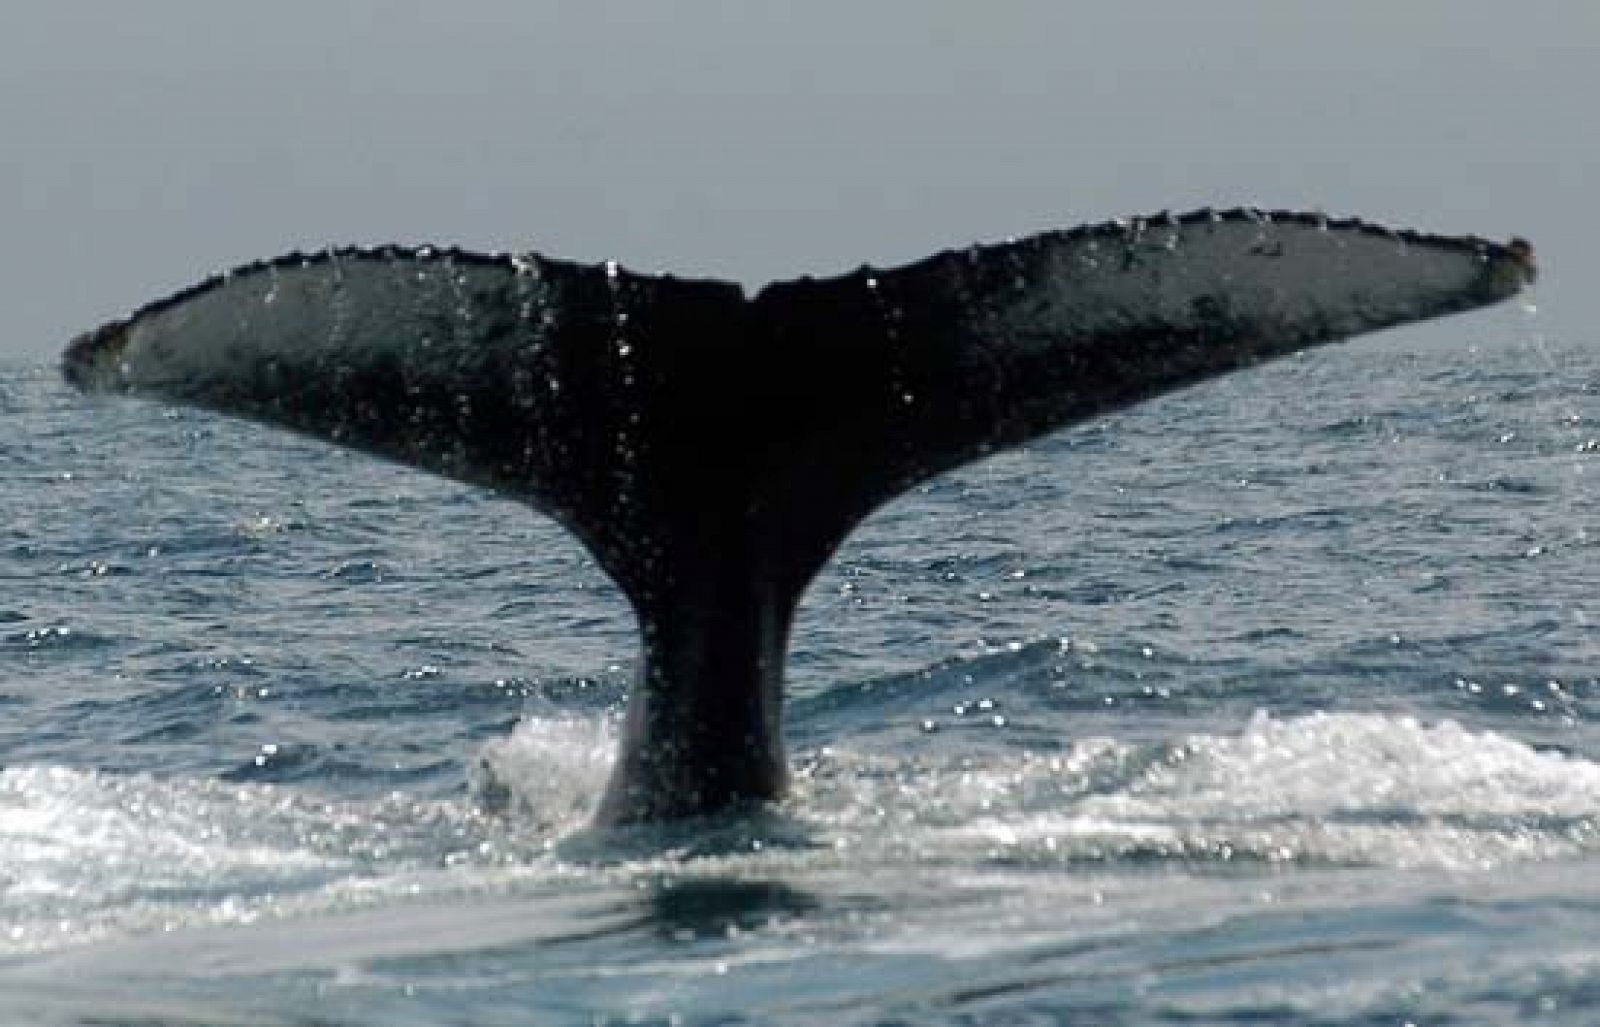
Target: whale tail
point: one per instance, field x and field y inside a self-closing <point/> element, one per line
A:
<point x="712" y="450"/>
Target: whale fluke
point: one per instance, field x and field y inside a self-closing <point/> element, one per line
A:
<point x="713" y="450"/>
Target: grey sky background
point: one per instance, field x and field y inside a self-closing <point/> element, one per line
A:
<point x="143" y="146"/>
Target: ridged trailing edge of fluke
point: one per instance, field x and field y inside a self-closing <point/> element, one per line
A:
<point x="712" y="450"/>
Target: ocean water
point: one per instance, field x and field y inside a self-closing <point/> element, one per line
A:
<point x="1275" y="700"/>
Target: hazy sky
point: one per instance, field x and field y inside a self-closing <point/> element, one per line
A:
<point x="145" y="145"/>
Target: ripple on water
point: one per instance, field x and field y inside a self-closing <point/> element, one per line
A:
<point x="1106" y="829"/>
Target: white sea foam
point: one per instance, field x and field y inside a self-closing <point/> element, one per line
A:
<point x="1340" y="788"/>
<point x="86" y="855"/>
<point x="549" y="770"/>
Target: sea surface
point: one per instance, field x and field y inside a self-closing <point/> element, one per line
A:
<point x="1273" y="701"/>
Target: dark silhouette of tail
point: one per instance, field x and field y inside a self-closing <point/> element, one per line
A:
<point x="711" y="450"/>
